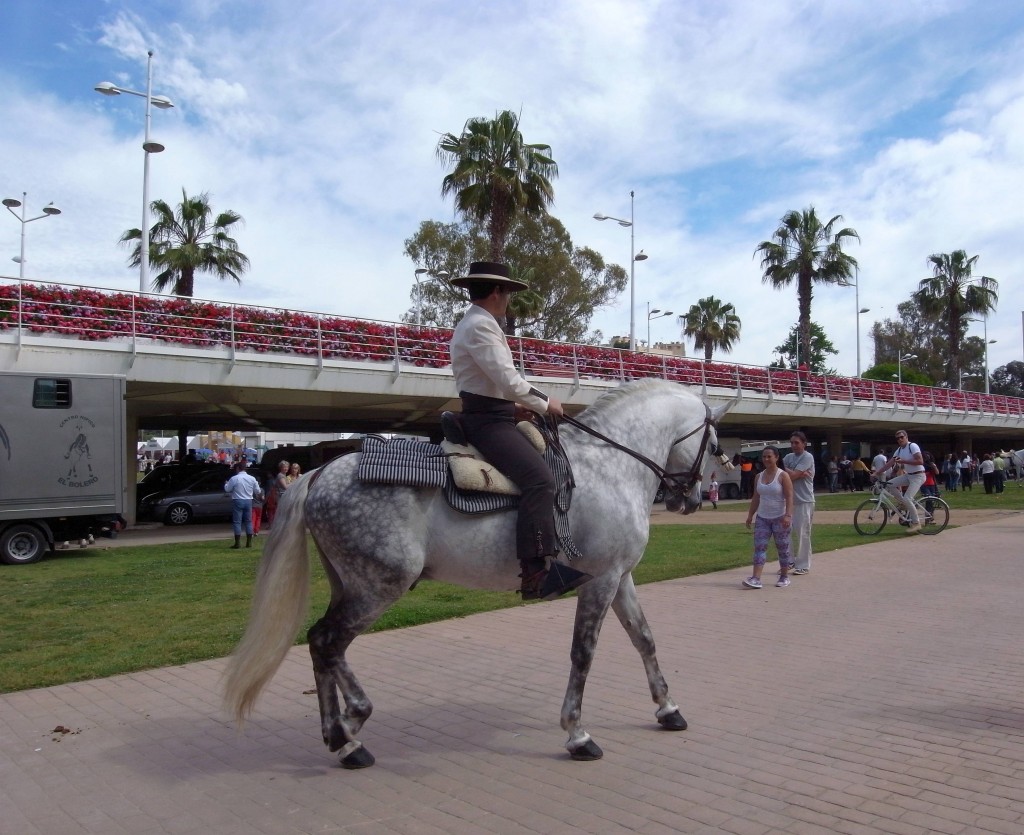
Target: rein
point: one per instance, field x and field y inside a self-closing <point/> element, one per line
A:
<point x="669" y="481"/>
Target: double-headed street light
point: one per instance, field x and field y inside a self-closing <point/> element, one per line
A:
<point x="419" y="297"/>
<point x="11" y="203"/>
<point x="149" y="146"/>
<point x="900" y="359"/>
<point x="654" y="314"/>
<point x="965" y="376"/>
<point x="633" y="258"/>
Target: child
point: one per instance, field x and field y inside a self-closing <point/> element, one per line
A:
<point x="771" y="510"/>
<point x="713" y="491"/>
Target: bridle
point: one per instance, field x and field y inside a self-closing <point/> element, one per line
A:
<point x="676" y="482"/>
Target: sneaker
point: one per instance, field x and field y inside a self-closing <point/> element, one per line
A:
<point x="783" y="582"/>
<point x="801" y="571"/>
<point x="916" y="528"/>
<point x="752" y="583"/>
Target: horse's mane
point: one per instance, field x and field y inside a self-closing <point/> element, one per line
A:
<point x="608" y="401"/>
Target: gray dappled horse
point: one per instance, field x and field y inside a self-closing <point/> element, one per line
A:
<point x="376" y="542"/>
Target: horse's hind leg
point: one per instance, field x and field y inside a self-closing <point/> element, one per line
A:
<point x="329" y="638"/>
<point x="627" y="608"/>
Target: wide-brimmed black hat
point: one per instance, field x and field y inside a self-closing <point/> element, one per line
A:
<point x="487" y="272"/>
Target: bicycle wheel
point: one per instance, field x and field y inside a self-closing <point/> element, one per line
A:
<point x="870" y="517"/>
<point x="935" y="520"/>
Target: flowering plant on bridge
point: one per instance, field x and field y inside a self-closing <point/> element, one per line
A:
<point x="88" y="313"/>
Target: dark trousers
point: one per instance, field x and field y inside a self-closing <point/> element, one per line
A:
<point x="489" y="425"/>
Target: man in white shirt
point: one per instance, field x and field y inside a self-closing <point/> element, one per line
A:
<point x="242" y="487"/>
<point x="909" y="455"/>
<point x="490" y="386"/>
<point x="799" y="465"/>
<point x="879" y="460"/>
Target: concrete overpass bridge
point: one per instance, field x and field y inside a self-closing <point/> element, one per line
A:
<point x="193" y="365"/>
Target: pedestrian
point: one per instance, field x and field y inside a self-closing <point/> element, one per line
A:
<point x="771" y="511"/>
<point x="713" y="491"/>
<point x="952" y="473"/>
<point x="861" y="474"/>
<point x="965" y="472"/>
<point x="987" y="471"/>
<point x="799" y="466"/>
<point x="1000" y="470"/>
<point x="908" y="455"/>
<point x="242" y="487"/>
<point x="746" y="478"/>
<point x="276" y="489"/>
<point x="257" y="511"/>
<point x="833" y="474"/>
<point x="490" y="386"/>
<point x="845" y="474"/>
<point x="931" y="481"/>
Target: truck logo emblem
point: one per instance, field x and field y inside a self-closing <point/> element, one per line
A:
<point x="79" y="471"/>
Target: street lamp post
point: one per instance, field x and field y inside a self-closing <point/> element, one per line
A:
<point x="860" y="310"/>
<point x="149" y="146"/>
<point x="900" y="359"/>
<point x="11" y="203"/>
<point x="654" y="314"/>
<point x="419" y="293"/>
<point x="964" y="376"/>
<point x="634" y="256"/>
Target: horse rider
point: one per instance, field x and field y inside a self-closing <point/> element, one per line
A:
<point x="490" y="387"/>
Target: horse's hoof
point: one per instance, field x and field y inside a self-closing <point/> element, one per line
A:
<point x="360" y="758"/>
<point x="673" y="721"/>
<point x="587" y="752"/>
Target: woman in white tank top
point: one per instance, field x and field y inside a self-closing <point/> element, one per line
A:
<point x="771" y="512"/>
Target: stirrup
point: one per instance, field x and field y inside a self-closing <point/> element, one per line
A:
<point x="560" y="579"/>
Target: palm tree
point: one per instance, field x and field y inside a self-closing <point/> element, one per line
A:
<point x="954" y="294"/>
<point x="497" y="175"/>
<point x="805" y="250"/>
<point x="712" y="325"/>
<point x="187" y="240"/>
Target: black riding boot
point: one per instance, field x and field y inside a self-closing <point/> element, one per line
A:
<point x="238" y="541"/>
<point x="248" y="540"/>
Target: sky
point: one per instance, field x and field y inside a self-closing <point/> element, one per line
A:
<point x="318" y="122"/>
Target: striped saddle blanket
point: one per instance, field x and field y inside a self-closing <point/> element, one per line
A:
<point x="408" y="463"/>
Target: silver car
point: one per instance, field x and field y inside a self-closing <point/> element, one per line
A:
<point x="201" y="497"/>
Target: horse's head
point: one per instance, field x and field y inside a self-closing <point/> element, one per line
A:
<point x="688" y="459"/>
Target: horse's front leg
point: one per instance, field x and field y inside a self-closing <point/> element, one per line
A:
<point x="631" y="616"/>
<point x="591" y="607"/>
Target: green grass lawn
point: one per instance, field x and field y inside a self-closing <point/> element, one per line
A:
<point x="94" y="613"/>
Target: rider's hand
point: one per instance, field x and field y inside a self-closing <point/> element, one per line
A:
<point x="555" y="407"/>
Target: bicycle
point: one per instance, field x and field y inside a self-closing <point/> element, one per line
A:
<point x="873" y="514"/>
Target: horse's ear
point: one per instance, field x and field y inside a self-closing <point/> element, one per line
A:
<point x="719" y="412"/>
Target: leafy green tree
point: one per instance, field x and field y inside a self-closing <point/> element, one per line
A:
<point x="1008" y="379"/>
<point x="792" y="358"/>
<point x="569" y="282"/>
<point x="805" y="251"/>
<point x="923" y="333"/>
<point x="186" y="240"/>
<point x="496" y="175"/>
<point x="953" y="293"/>
<point x="889" y="372"/>
<point x="711" y="324"/>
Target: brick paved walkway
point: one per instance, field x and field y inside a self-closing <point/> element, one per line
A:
<point x="884" y="692"/>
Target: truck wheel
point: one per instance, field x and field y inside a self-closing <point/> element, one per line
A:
<point x="178" y="514"/>
<point x="22" y="544"/>
<point x="731" y="491"/>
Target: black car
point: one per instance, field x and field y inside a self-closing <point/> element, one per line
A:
<point x="171" y="476"/>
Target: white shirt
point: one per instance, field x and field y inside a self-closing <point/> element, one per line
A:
<point x="482" y="362"/>
<point x="906" y="455"/>
<point x="242" y="486"/>
<point x="772" y="503"/>
<point x="878" y="462"/>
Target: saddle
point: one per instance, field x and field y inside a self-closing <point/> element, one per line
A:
<point x="469" y="469"/>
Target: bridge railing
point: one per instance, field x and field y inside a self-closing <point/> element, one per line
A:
<point x="90" y="314"/>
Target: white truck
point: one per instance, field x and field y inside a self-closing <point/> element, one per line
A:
<point x="62" y="461"/>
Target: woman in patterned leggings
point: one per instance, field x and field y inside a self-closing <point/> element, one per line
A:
<point x="771" y="512"/>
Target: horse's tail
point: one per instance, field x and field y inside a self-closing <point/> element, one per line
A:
<point x="280" y="603"/>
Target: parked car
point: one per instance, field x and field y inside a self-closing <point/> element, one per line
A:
<point x="172" y="476"/>
<point x="201" y="497"/>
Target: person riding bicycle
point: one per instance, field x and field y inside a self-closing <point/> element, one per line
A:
<point x="908" y="456"/>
